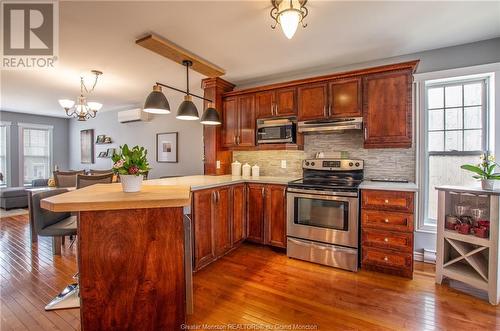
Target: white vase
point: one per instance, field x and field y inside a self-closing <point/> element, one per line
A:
<point x="487" y="184"/>
<point x="131" y="183"/>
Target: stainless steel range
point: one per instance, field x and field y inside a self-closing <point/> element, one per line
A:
<point x="323" y="213"/>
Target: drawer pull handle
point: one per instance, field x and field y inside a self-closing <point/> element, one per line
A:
<point x="386" y="239"/>
<point x="386" y="201"/>
<point x="386" y="258"/>
<point x="386" y="220"/>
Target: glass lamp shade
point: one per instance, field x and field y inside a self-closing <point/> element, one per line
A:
<point x="66" y="103"/>
<point x="187" y="110"/>
<point x="94" y="105"/>
<point x="156" y="102"/>
<point x="289" y="16"/>
<point x="210" y="116"/>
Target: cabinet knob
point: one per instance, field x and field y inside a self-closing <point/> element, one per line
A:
<point x="386" y="239"/>
<point x="386" y="220"/>
<point x="386" y="258"/>
<point x="386" y="201"/>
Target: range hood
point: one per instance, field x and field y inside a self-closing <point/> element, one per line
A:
<point x="331" y="125"/>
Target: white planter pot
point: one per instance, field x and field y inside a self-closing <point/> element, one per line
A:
<point x="131" y="183"/>
<point x="487" y="184"/>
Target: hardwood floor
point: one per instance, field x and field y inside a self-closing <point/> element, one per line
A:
<point x="251" y="285"/>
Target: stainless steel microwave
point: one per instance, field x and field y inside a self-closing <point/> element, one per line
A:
<point x="277" y="130"/>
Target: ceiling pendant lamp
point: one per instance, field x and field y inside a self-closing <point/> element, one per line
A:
<point x="289" y="14"/>
<point x="82" y="109"/>
<point x="187" y="110"/>
<point x="210" y="116"/>
<point x="156" y="102"/>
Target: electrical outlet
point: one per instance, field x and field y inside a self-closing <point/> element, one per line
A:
<point x="283" y="164"/>
<point x="217" y="164"/>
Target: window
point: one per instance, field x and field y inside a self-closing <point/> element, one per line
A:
<point x="4" y="153"/>
<point x="36" y="152"/>
<point x="456" y="122"/>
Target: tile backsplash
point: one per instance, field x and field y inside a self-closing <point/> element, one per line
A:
<point x="381" y="163"/>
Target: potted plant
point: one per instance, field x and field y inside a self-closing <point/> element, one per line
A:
<point x="131" y="164"/>
<point x="485" y="171"/>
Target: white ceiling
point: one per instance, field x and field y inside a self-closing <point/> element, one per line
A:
<point x="236" y="36"/>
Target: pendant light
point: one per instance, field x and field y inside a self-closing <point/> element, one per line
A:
<point x="187" y="110"/>
<point x="210" y="116"/>
<point x="289" y="14"/>
<point x="156" y="102"/>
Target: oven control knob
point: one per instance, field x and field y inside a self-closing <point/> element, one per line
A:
<point x="357" y="164"/>
<point x="351" y="164"/>
<point x="312" y="163"/>
<point x="307" y="163"/>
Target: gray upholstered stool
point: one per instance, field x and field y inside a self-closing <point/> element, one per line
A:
<point x="13" y="197"/>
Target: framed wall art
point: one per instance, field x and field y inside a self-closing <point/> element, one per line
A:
<point x="87" y="146"/>
<point x="166" y="147"/>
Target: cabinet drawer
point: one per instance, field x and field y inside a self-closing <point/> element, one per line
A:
<point x="400" y="241"/>
<point x="387" y="200"/>
<point x="386" y="220"/>
<point x="387" y="258"/>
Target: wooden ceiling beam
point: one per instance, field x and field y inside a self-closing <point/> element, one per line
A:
<point x="178" y="54"/>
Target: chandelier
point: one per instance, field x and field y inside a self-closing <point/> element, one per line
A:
<point x="289" y="14"/>
<point x="82" y="109"/>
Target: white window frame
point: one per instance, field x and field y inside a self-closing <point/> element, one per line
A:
<point x="489" y="71"/>
<point x="21" y="128"/>
<point x="7" y="178"/>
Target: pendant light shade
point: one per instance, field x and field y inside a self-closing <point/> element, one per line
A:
<point x="156" y="102"/>
<point x="210" y="116"/>
<point x="187" y="110"/>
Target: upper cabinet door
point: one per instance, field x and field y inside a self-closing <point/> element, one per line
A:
<point x="387" y="109"/>
<point x="264" y="104"/>
<point x="345" y="98"/>
<point x="229" y="122"/>
<point x="286" y="102"/>
<point x="313" y="101"/>
<point x="246" y="106"/>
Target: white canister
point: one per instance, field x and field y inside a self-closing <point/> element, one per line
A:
<point x="246" y="169"/>
<point x="236" y="168"/>
<point x="255" y="171"/>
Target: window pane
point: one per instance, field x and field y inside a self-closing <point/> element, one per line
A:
<point x="36" y="154"/>
<point x="436" y="119"/>
<point x="435" y="97"/>
<point x="473" y="94"/>
<point x="473" y="140"/>
<point x="453" y="118"/>
<point x="445" y="170"/>
<point x="472" y="118"/>
<point x="453" y="140"/>
<point x="453" y="96"/>
<point x="436" y="141"/>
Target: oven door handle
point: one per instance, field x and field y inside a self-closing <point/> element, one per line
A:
<point x="353" y="199"/>
<point x="323" y="246"/>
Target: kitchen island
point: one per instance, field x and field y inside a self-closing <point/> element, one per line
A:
<point x="130" y="255"/>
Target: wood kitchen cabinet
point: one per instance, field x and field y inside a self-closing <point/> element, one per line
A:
<point x="387" y="231"/>
<point x="345" y="98"/>
<point x="239" y="213"/>
<point x="239" y="121"/>
<point x="387" y="109"/>
<point x="266" y="214"/>
<point x="276" y="103"/>
<point x="222" y="220"/>
<point x="312" y="101"/>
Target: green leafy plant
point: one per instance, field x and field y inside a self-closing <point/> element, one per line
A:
<point x="485" y="169"/>
<point x="130" y="161"/>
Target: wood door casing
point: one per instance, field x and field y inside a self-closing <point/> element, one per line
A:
<point x="255" y="212"/>
<point x="345" y="98"/>
<point x="246" y="120"/>
<point x="387" y="109"/>
<point x="222" y="221"/>
<point x="264" y="104"/>
<point x="312" y="101"/>
<point x="239" y="214"/>
<point x="204" y="250"/>
<point x="230" y="122"/>
<point x="275" y="219"/>
<point x="286" y="101"/>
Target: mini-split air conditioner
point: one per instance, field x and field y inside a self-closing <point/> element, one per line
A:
<point x="133" y="115"/>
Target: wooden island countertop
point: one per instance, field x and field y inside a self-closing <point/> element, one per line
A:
<point x="111" y="197"/>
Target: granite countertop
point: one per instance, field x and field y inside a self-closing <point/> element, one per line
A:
<point x="389" y="186"/>
<point x="204" y="182"/>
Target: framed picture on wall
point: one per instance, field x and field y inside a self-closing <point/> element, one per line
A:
<point x="87" y="146"/>
<point x="166" y="147"/>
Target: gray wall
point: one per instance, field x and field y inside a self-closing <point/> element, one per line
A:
<point x="190" y="141"/>
<point x="60" y="140"/>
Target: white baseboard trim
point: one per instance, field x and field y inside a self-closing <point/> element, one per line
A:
<point x="426" y="256"/>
